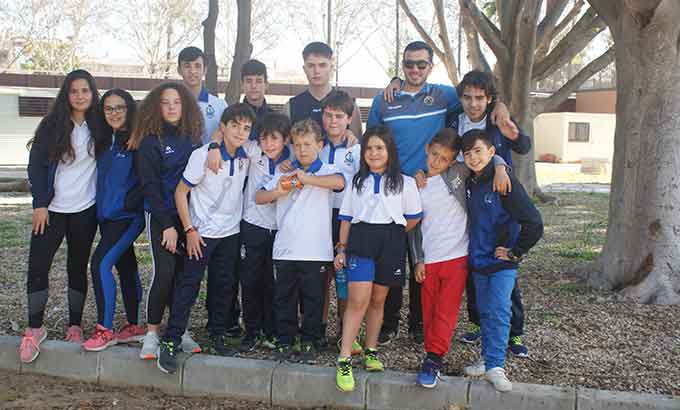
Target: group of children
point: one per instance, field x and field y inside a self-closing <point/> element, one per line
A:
<point x="274" y="207"/>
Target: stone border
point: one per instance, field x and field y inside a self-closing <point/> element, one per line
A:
<point x="302" y="386"/>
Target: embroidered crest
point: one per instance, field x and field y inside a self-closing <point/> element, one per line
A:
<point x="429" y="100"/>
<point x="209" y="111"/>
<point x="169" y="150"/>
<point x="240" y="164"/>
<point x="349" y="158"/>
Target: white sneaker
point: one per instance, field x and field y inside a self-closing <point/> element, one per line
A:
<point x="476" y="369"/>
<point x="497" y="377"/>
<point x="189" y="345"/>
<point x="150" y="345"/>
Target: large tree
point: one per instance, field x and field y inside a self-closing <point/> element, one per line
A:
<point x="526" y="40"/>
<point x="641" y="257"/>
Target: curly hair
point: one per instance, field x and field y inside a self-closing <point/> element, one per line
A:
<point x="150" y="121"/>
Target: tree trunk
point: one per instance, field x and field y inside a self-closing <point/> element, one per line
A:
<point x="243" y="49"/>
<point x="641" y="256"/>
<point x="209" y="25"/>
<point x="524" y="165"/>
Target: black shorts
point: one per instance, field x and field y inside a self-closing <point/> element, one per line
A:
<point x="384" y="243"/>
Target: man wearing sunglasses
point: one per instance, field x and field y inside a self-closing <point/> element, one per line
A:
<point x="415" y="113"/>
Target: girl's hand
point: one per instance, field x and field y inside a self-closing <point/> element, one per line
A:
<point x="421" y="179"/>
<point x="40" y="220"/>
<point x="339" y="261"/>
<point x="420" y="272"/>
<point x="194" y="244"/>
<point x="169" y="239"/>
<point x="502" y="254"/>
<point x="501" y="181"/>
<point x="286" y="166"/>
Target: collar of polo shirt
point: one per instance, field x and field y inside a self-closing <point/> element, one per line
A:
<point x="425" y="90"/>
<point x="203" y="96"/>
<point x="313" y="167"/>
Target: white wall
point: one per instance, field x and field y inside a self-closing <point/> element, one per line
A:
<point x="551" y="136"/>
<point x="15" y="131"/>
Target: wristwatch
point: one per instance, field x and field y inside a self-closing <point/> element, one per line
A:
<point x="213" y="145"/>
<point x="513" y="257"/>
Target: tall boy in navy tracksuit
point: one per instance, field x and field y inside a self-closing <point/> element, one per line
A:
<point x="502" y="230"/>
<point x="477" y="92"/>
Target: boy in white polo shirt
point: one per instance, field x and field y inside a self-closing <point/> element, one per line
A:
<point x="337" y="109"/>
<point x="258" y="229"/>
<point x="303" y="249"/>
<point x="211" y="220"/>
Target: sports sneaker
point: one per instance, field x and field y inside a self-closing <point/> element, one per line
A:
<point x="473" y="334"/>
<point x="371" y="361"/>
<point x="429" y="373"/>
<point x="283" y="352"/>
<point x="130" y="334"/>
<point x="167" y="359"/>
<point x="386" y="337"/>
<point x="30" y="344"/>
<point x="297" y="345"/>
<point x="189" y="345"/>
<point x="268" y="341"/>
<point x="308" y="354"/>
<point x="517" y="348"/>
<point x="100" y="339"/>
<point x="220" y="348"/>
<point x="248" y="343"/>
<point x="344" y="380"/>
<point x="150" y="344"/>
<point x="74" y="334"/>
<point x="476" y="369"/>
<point x="497" y="377"/>
<point x="356" y="347"/>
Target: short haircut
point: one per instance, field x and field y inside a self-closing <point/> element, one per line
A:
<point x="308" y="126"/>
<point x="254" y="67"/>
<point x="478" y="79"/>
<point x="471" y="137"/>
<point x="447" y="138"/>
<point x="317" y="48"/>
<point x="339" y="100"/>
<point x="236" y="112"/>
<point x="275" y="122"/>
<point x="189" y="54"/>
<point x="419" y="45"/>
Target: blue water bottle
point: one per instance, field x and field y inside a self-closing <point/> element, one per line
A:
<point x="341" y="283"/>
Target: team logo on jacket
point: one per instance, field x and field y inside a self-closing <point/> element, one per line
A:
<point x="209" y="111"/>
<point x="455" y="182"/>
<point x="428" y="100"/>
<point x="169" y="150"/>
<point x="349" y="158"/>
<point x="394" y="107"/>
<point x="488" y="198"/>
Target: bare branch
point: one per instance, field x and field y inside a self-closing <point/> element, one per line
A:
<point x="544" y="39"/>
<point x="554" y="10"/>
<point x="609" y="10"/>
<point x="419" y="28"/>
<point x="489" y="32"/>
<point x="450" y="61"/>
<point x="575" y="82"/>
<point x="523" y="59"/>
<point x="587" y="28"/>
<point x="475" y="55"/>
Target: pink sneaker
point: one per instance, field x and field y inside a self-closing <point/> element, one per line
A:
<point x="130" y="334"/>
<point x="100" y="340"/>
<point x="74" y="334"/>
<point x="30" y="344"/>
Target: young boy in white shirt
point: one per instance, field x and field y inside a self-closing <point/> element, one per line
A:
<point x="303" y="249"/>
<point x="211" y="221"/>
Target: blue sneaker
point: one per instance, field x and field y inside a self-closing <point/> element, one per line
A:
<point x="517" y="348"/>
<point x="473" y="334"/>
<point x="429" y="373"/>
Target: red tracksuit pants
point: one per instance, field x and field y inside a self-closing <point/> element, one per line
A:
<point x="442" y="291"/>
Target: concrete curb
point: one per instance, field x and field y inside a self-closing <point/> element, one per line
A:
<point x="292" y="385"/>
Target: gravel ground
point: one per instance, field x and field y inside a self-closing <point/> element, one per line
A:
<point x="577" y="336"/>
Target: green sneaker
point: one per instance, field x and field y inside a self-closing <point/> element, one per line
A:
<point x="356" y="347"/>
<point x="297" y="345"/>
<point x="371" y="361"/>
<point x="344" y="380"/>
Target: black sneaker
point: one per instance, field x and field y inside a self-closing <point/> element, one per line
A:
<point x="219" y="348"/>
<point x="234" y="332"/>
<point x="307" y="354"/>
<point x="283" y="352"/>
<point x="387" y="336"/>
<point x="248" y="343"/>
<point x="167" y="359"/>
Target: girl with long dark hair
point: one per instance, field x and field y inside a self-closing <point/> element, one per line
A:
<point x="168" y="128"/>
<point x="63" y="176"/>
<point x="121" y="220"/>
<point x="381" y="206"/>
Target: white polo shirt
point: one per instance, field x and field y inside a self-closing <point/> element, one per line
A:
<point x="216" y="200"/>
<point x="347" y="160"/>
<point x="374" y="205"/>
<point x="444" y="225"/>
<point x="304" y="219"/>
<point x="212" y="108"/>
<point x="260" y="173"/>
<point x="75" y="182"/>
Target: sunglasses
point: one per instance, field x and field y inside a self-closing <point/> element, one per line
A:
<point x="421" y="64"/>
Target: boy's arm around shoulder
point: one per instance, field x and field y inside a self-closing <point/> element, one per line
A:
<point x="331" y="178"/>
<point x="522" y="209"/>
<point x="521" y="144"/>
<point x="271" y="191"/>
